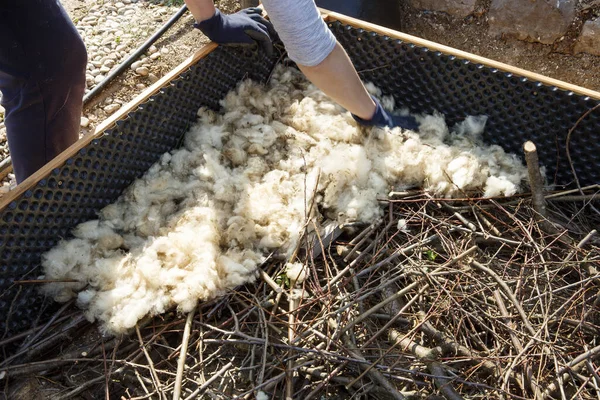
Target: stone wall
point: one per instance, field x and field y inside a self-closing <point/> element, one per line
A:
<point x="543" y="21"/>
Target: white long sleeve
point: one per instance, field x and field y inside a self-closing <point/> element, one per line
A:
<point x="305" y="35"/>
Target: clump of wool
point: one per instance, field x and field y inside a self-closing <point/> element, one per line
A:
<point x="202" y="219"/>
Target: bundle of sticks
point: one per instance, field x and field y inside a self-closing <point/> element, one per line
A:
<point x="462" y="298"/>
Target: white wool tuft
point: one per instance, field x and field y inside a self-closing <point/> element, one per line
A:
<point x="297" y="272"/>
<point x="260" y="395"/>
<point x="402" y="225"/>
<point x="201" y="219"/>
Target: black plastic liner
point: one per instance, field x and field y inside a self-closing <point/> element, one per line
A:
<point x="419" y="79"/>
<point x="99" y="173"/>
<point x="518" y="109"/>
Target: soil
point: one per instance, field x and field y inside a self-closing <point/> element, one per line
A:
<point x="471" y="34"/>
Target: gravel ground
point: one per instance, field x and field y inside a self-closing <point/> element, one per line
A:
<point x="113" y="29"/>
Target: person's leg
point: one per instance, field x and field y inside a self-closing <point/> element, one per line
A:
<point x="42" y="78"/>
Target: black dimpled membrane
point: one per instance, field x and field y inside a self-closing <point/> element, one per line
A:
<point x="420" y="79"/>
<point x="98" y="174"/>
<point x="518" y="109"/>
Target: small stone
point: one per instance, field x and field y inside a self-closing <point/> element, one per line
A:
<point x="154" y="56"/>
<point x="136" y="65"/>
<point x="164" y="50"/>
<point x="109" y="62"/>
<point x="85" y="122"/>
<point x="152" y="49"/>
<point x="589" y="40"/>
<point x="143" y="71"/>
<point x="104" y="69"/>
<point x="129" y="12"/>
<point x="1" y="110"/>
<point x="533" y="21"/>
<point x="97" y="64"/>
<point x="119" y="5"/>
<point x="98" y="78"/>
<point x="153" y="78"/>
<point x="140" y="86"/>
<point x="112" y="108"/>
<point x="95" y="72"/>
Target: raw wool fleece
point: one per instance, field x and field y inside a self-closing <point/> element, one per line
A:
<point x="201" y="220"/>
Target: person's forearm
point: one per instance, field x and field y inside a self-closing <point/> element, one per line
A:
<point x="337" y="77"/>
<point x="201" y="9"/>
<point x="334" y="74"/>
<point x="313" y="47"/>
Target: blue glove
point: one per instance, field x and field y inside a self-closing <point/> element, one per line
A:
<point x="244" y="27"/>
<point x="381" y="118"/>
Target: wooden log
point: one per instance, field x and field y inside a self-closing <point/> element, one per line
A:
<point x="536" y="181"/>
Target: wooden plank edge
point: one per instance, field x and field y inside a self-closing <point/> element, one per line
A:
<point x="72" y="150"/>
<point x="331" y="16"/>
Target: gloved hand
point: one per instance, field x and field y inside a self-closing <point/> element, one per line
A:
<point x="244" y="27"/>
<point x="382" y="118"/>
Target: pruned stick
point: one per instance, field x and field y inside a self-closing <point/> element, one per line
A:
<point x="213" y="378"/>
<point x="278" y="289"/>
<point x="516" y="342"/>
<point x="429" y="357"/>
<point x="508" y="293"/>
<point x="451" y="345"/>
<point x="81" y="388"/>
<point x="294" y="302"/>
<point x="373" y="373"/>
<point x="153" y="373"/>
<point x="399" y="252"/>
<point x="535" y="178"/>
<point x="183" y="354"/>
<point x="380" y="305"/>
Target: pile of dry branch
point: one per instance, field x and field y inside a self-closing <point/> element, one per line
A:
<point x="462" y="299"/>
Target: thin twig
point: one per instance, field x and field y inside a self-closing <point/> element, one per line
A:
<point x="183" y="354"/>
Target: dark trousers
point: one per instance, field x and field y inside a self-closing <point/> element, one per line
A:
<point x="42" y="79"/>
